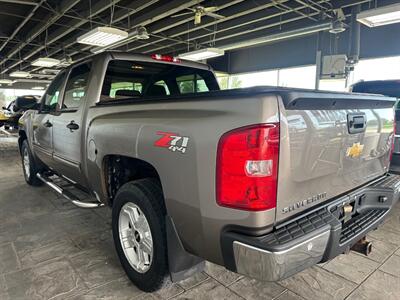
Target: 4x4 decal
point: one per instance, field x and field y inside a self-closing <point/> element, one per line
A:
<point x="172" y="141"/>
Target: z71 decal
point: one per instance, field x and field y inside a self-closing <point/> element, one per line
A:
<point x="172" y="141"/>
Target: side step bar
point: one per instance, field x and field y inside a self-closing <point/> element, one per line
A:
<point x="68" y="195"/>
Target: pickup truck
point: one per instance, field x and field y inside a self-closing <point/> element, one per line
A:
<point x="389" y="88"/>
<point x="264" y="181"/>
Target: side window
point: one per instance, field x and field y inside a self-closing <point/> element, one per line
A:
<point x="53" y="92"/>
<point x="124" y="86"/>
<point x="76" y="87"/>
<point x="191" y="84"/>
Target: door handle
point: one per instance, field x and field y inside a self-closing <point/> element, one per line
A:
<point x="356" y="122"/>
<point x="72" y="126"/>
<point x="47" y="124"/>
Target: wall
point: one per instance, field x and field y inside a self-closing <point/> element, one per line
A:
<point x="375" y="42"/>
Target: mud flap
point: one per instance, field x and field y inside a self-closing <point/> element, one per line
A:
<point x="182" y="264"/>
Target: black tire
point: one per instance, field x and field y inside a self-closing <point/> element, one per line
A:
<point x="147" y="195"/>
<point x="30" y="178"/>
<point x="6" y="127"/>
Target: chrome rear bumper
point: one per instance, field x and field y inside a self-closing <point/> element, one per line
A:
<point x="273" y="266"/>
<point x="311" y="238"/>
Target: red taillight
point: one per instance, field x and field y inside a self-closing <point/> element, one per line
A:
<point x="165" y="58"/>
<point x="247" y="167"/>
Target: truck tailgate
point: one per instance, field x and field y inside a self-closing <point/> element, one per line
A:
<point x="330" y="144"/>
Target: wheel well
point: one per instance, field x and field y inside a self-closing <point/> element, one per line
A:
<point x="119" y="170"/>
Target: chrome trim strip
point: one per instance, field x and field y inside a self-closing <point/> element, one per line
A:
<point x="66" y="161"/>
<point x="273" y="266"/>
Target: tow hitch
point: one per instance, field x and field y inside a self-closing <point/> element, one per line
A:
<point x="363" y="246"/>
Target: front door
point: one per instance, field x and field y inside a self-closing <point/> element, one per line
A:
<point x="42" y="139"/>
<point x="68" y="127"/>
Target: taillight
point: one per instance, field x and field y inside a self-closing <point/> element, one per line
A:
<point x="165" y="58"/>
<point x="247" y="167"/>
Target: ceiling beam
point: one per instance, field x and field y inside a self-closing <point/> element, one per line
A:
<point x="157" y="14"/>
<point x="59" y="33"/>
<point x="24" y="21"/>
<point x="64" y="6"/>
<point x="25" y="2"/>
<point x="245" y="9"/>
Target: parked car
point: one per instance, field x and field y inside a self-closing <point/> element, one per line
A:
<point x="16" y="109"/>
<point x="389" y="88"/>
<point x="3" y="118"/>
<point x="264" y="181"/>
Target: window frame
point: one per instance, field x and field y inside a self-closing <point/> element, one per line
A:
<point x="61" y="101"/>
<point x="63" y="75"/>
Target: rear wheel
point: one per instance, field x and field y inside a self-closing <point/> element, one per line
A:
<point x="138" y="224"/>
<point x="28" y="165"/>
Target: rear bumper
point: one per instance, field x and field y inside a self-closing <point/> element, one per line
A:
<point x="311" y="238"/>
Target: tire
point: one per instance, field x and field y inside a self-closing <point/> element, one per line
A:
<point x="135" y="200"/>
<point x="29" y="166"/>
<point x="6" y="127"/>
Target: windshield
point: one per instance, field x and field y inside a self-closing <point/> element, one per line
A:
<point x="130" y="79"/>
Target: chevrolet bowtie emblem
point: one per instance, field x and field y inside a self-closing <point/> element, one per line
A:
<point x="355" y="150"/>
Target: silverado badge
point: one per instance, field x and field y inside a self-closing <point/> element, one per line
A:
<point x="355" y="150"/>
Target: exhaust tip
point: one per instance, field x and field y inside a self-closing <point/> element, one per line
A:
<point x="362" y="246"/>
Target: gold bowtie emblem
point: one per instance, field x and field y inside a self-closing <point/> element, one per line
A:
<point x="355" y="150"/>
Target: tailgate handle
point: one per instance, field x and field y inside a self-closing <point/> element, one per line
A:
<point x="356" y="122"/>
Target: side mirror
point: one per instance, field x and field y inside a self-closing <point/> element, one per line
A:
<point x="5" y="108"/>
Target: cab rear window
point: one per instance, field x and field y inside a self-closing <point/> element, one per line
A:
<point x="135" y="80"/>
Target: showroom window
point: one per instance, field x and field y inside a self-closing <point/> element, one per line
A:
<point x="376" y="69"/>
<point x="254" y="79"/>
<point x="300" y="77"/>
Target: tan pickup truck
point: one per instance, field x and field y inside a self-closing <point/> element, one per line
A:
<point x="265" y="181"/>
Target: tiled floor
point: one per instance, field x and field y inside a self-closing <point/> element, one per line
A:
<point x="51" y="250"/>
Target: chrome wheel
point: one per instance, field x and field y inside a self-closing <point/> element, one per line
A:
<point x="26" y="162"/>
<point x="135" y="237"/>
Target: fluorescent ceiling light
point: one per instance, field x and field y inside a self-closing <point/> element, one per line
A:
<point x="139" y="33"/>
<point x="384" y="15"/>
<point x="20" y="74"/>
<point x="6" y="81"/>
<point x="45" y="62"/>
<point x="38" y="88"/>
<point x="202" y="54"/>
<point x="102" y="36"/>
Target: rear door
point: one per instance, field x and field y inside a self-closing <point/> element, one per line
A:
<point x="328" y="152"/>
<point x="67" y="124"/>
<point x="42" y="127"/>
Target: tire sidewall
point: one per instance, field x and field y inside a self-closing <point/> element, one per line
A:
<point x="32" y="179"/>
<point x="24" y="147"/>
<point x="159" y="264"/>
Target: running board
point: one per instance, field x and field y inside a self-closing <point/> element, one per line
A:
<point x="67" y="194"/>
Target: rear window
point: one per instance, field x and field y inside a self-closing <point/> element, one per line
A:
<point x="130" y="80"/>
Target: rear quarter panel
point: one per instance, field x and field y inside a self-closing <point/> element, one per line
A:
<point x="188" y="179"/>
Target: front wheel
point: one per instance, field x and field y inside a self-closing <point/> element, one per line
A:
<point x="29" y="166"/>
<point x="138" y="224"/>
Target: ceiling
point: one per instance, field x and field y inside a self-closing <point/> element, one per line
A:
<point x="30" y="29"/>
